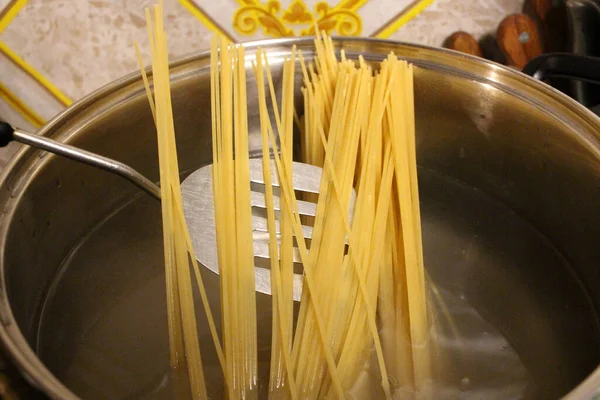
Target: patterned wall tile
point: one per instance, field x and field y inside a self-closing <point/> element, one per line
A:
<point x="258" y="19"/>
<point x="444" y="17"/>
<point x="72" y="47"/>
<point x="92" y="41"/>
<point x="28" y="90"/>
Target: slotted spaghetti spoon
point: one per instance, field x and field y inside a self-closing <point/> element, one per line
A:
<point x="198" y="207"/>
<point x="197" y="197"/>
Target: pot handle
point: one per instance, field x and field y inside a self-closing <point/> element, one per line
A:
<point x="564" y="65"/>
<point x="9" y="134"/>
<point x="6" y="134"/>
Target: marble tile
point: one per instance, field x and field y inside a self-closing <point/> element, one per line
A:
<point x="444" y="17"/>
<point x="84" y="44"/>
<point x="81" y="45"/>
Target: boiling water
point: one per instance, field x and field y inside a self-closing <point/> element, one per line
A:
<point x="497" y="335"/>
<point x="471" y="359"/>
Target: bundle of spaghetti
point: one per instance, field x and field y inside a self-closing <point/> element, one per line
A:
<point x="345" y="293"/>
<point x="327" y="248"/>
<point x="373" y="192"/>
<point x="328" y="244"/>
<point x="184" y="346"/>
<point x="365" y="258"/>
<point x="402" y="309"/>
<point x="288" y="195"/>
<point x="320" y="89"/>
<point x="412" y="318"/>
<point x="390" y="248"/>
<point x="281" y="381"/>
<point x="233" y="217"/>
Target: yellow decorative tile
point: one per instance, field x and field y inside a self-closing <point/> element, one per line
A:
<point x="81" y="45"/>
<point x="245" y="20"/>
<point x="28" y="90"/>
<point x="62" y="50"/>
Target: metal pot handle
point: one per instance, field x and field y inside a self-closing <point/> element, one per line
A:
<point x="9" y="134"/>
<point x="564" y="65"/>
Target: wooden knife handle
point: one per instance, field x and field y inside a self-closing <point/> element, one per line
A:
<point x="462" y="41"/>
<point x="551" y="19"/>
<point x="538" y="8"/>
<point x="519" y="39"/>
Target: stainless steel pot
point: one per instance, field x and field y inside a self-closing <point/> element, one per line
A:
<point x="510" y="182"/>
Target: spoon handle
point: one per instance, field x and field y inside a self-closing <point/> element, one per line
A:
<point x="9" y="134"/>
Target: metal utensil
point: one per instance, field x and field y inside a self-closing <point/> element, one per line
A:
<point x="197" y="198"/>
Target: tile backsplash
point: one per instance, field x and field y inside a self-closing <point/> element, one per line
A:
<point x="53" y="52"/>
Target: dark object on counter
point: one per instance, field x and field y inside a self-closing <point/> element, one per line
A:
<point x="539" y="8"/>
<point x="572" y="67"/>
<point x="583" y="21"/>
<point x="490" y="49"/>
<point x="519" y="39"/>
<point x="463" y="42"/>
<point x="13" y="386"/>
<point x="565" y="65"/>
<point x="550" y="17"/>
<point x="575" y="68"/>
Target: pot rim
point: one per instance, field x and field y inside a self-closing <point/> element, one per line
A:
<point x="542" y="96"/>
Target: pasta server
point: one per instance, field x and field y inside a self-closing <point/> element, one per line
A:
<point x="197" y="197"/>
<point x="198" y="208"/>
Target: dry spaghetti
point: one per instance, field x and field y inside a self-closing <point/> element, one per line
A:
<point x="364" y="304"/>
